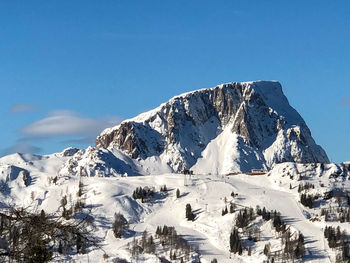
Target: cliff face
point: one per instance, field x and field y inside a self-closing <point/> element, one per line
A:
<point x="249" y="125"/>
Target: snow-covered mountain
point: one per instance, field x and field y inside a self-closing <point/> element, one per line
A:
<point x="229" y="128"/>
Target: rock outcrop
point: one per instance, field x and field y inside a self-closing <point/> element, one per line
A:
<point x="252" y="122"/>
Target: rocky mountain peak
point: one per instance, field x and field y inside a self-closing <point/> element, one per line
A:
<point x="252" y="122"/>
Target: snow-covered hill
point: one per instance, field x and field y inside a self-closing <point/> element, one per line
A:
<point x="233" y="127"/>
<point x="207" y="194"/>
<point x="229" y="128"/>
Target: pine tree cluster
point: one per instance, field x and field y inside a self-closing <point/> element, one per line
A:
<point x="307" y="200"/>
<point x="278" y="222"/>
<point x="335" y="236"/>
<point x="244" y="217"/>
<point x="235" y="242"/>
<point x="305" y="187"/>
<point x="186" y="171"/>
<point x="344" y="256"/>
<point x="328" y="195"/>
<point x="293" y="249"/>
<point x="338" y="239"/>
<point x="231" y="210"/>
<point x="300" y="247"/>
<point x="145" y="244"/>
<point x="266" y="215"/>
<point x="169" y="238"/>
<point x="169" y="241"/>
<point x="163" y="188"/>
<point x="143" y="193"/>
<point x="340" y="214"/>
<point x="73" y="209"/>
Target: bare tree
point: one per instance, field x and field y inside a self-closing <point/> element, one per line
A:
<point x="39" y="237"/>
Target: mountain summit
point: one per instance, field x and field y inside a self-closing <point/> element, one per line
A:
<point x="232" y="127"/>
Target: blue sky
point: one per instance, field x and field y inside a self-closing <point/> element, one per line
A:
<point x="71" y="68"/>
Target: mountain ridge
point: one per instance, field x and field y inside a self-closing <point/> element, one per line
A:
<point x="179" y="131"/>
<point x="237" y="133"/>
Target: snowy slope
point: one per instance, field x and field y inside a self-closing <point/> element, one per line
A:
<point x="252" y="122"/>
<point x="229" y="128"/>
<point x="207" y="194"/>
<point x="228" y="153"/>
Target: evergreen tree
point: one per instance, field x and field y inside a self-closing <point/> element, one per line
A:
<point x="346" y="253"/>
<point x="300" y="248"/>
<point x="267" y="249"/>
<point x="232" y="208"/>
<point x="120" y="225"/>
<point x="189" y="214"/>
<point x="163" y="188"/>
<point x="64" y="201"/>
<point x="235" y="242"/>
<point x="224" y="211"/>
<point x="158" y="231"/>
<point x="240" y="250"/>
<point x="177" y="193"/>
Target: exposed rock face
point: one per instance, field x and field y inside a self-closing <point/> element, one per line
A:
<point x="129" y="137"/>
<point x="17" y="176"/>
<point x="180" y="131"/>
<point x="70" y="151"/>
<point x="94" y="162"/>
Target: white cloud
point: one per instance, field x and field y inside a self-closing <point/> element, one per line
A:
<point x="77" y="141"/>
<point x="21" y="148"/>
<point x="21" y="107"/>
<point x="67" y="123"/>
